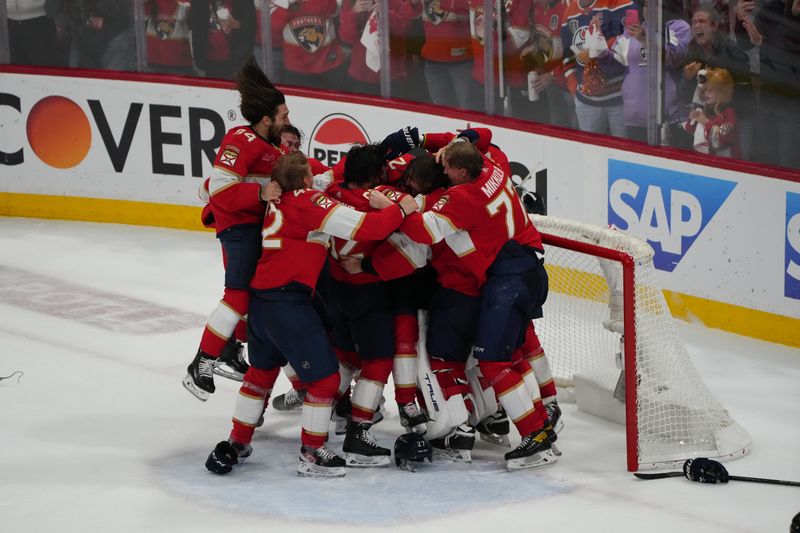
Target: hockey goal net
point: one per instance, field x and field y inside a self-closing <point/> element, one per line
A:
<point x="608" y="333"/>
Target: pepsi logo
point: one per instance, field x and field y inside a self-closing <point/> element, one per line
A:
<point x="333" y="136"/>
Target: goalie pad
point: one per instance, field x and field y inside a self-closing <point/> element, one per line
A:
<point x="484" y="399"/>
<point x="444" y="414"/>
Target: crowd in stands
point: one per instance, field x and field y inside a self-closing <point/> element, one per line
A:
<point x="731" y="68"/>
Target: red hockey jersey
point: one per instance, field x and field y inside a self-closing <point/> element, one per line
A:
<point x="168" y="40"/>
<point x="358" y="199"/>
<point x="474" y="220"/>
<point x="233" y="191"/>
<point x="310" y="45"/>
<point x="297" y="232"/>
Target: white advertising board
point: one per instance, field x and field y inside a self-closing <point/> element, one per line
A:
<point x="719" y="234"/>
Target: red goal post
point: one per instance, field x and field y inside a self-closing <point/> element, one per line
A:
<point x="604" y="295"/>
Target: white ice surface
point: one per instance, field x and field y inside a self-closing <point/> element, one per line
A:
<point x="99" y="435"/>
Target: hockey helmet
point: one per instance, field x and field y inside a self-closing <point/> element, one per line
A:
<point x="411" y="447"/>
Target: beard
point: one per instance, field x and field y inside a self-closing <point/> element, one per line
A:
<point x="274" y="134"/>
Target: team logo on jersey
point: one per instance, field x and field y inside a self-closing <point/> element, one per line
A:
<point x="440" y="203"/>
<point x="669" y="209"/>
<point x="392" y="195"/>
<point x="228" y="155"/>
<point x="434" y="12"/>
<point x="309" y="32"/>
<point x="791" y="285"/>
<point x="333" y="136"/>
<point x="322" y="201"/>
<point x="164" y="28"/>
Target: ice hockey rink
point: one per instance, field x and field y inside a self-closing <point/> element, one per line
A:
<point x="99" y="435"/>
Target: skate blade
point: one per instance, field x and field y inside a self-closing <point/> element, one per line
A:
<point x="355" y="460"/>
<point x="559" y="426"/>
<point x="537" y="460"/>
<point x="224" y="371"/>
<point x="496" y="440"/>
<point x="454" y="456"/>
<point x="197" y="392"/>
<point x="314" y="471"/>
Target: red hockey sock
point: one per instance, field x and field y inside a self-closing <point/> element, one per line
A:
<point x="317" y="409"/>
<point x="452" y="379"/>
<point x="251" y="402"/>
<point x="513" y="396"/>
<point x="224" y="320"/>
<point x="404" y="371"/>
<point x="369" y="388"/>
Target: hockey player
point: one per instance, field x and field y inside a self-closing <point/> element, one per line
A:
<point x="492" y="280"/>
<point x="236" y="196"/>
<point x="283" y="323"/>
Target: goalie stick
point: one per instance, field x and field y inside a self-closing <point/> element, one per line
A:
<point x="662" y="475"/>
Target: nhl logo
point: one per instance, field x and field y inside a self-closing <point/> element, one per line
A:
<point x="333" y="136"/>
<point x="309" y="32"/>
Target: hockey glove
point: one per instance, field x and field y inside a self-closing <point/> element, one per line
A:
<point x="533" y="203"/>
<point x="221" y="460"/>
<point x="705" y="470"/>
<point x="470" y="135"/>
<point x="400" y="142"/>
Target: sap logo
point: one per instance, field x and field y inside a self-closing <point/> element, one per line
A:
<point x="333" y="136"/>
<point x="791" y="285"/>
<point x="669" y="209"/>
<point x="66" y="145"/>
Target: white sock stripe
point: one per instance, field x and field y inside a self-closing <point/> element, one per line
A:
<point x="532" y="386"/>
<point x="516" y="402"/>
<point x="248" y="409"/>
<point x="256" y="389"/>
<point x="404" y="371"/>
<point x="223" y="320"/>
<point x="367" y="394"/>
<point x="316" y="418"/>
<point x="541" y="368"/>
<point x="345" y="377"/>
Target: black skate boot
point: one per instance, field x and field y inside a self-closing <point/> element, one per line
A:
<point x="230" y="363"/>
<point x="457" y="445"/>
<point x="553" y="425"/>
<point x="199" y="378"/>
<point x="533" y="452"/>
<point x="290" y="401"/>
<point x="360" y="448"/>
<point x="320" y="462"/>
<point x="494" y="429"/>
<point x="412" y="418"/>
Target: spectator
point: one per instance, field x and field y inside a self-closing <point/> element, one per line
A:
<point x="711" y="48"/>
<point x="31" y="33"/>
<point x="714" y="127"/>
<point x="364" y="69"/>
<point x="774" y="27"/>
<point x="101" y="32"/>
<point x="169" y="49"/>
<point x="593" y="77"/>
<point x="631" y="51"/>
<point x="448" y="54"/>
<point x="312" y="55"/>
<point x="223" y="35"/>
<point x="541" y="54"/>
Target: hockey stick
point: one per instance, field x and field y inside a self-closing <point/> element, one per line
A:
<point x="662" y="475"/>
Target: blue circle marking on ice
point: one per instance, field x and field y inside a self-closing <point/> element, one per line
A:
<point x="266" y="484"/>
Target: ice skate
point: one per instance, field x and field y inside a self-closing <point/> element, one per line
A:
<point x="553" y="425"/>
<point x="230" y="363"/>
<point x="199" y="378"/>
<point x="412" y="418"/>
<point x="290" y="401"/>
<point x="320" y="462"/>
<point x="533" y="452"/>
<point x="360" y="448"/>
<point x="456" y="446"/>
<point x="494" y="429"/>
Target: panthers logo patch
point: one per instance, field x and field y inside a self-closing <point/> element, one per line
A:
<point x="228" y="155"/>
<point x="434" y="12"/>
<point x="439" y="205"/>
<point x="309" y="32"/>
<point x="322" y="201"/>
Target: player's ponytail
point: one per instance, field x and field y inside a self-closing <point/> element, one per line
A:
<point x="260" y="97"/>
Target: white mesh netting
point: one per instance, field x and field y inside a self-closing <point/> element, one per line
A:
<point x="677" y="416"/>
